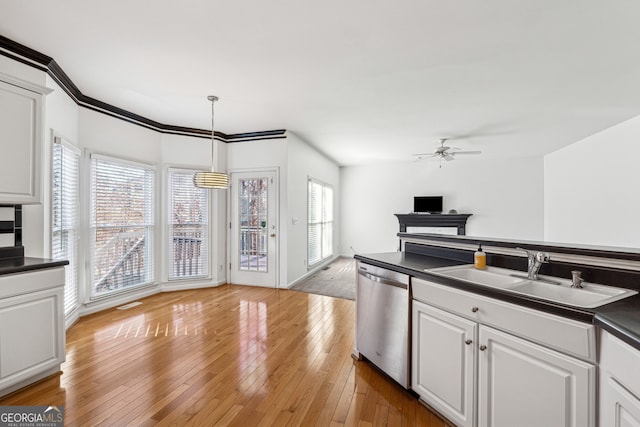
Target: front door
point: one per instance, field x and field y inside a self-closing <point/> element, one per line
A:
<point x="254" y="233"/>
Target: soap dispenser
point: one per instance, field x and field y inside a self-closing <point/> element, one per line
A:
<point x="480" y="259"/>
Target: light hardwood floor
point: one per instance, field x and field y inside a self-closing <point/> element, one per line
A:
<point x="231" y="355"/>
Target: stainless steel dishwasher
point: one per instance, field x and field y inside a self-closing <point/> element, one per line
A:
<point x="382" y="320"/>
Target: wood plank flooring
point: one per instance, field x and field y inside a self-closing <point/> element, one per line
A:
<point x="232" y="355"/>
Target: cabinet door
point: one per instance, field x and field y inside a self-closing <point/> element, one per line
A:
<point x="21" y="113"/>
<point x="523" y="384"/>
<point x="443" y="362"/>
<point x="31" y="335"/>
<point x="618" y="407"/>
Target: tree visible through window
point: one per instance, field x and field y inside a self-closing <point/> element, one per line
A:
<point x="188" y="226"/>
<point x="319" y="222"/>
<point x="122" y="224"/>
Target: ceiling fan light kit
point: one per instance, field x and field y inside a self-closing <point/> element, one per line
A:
<point x="212" y="179"/>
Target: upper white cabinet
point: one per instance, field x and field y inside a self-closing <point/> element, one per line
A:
<point x="21" y="133"/>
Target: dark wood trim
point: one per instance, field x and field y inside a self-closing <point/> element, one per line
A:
<point x="43" y="62"/>
<point x="24" y="51"/>
<point x="630" y="254"/>
<point x="17" y="226"/>
<point x="6" y="227"/>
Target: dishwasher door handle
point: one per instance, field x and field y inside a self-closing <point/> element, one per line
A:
<point x="383" y="280"/>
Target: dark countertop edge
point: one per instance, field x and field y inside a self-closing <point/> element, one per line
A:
<point x="616" y="329"/>
<point x="575" y="249"/>
<point x="603" y="320"/>
<point x="24" y="264"/>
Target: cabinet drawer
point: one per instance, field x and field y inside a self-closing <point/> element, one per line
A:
<point x="567" y="335"/>
<point x="31" y="281"/>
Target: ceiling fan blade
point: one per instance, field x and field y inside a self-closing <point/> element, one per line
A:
<point x="448" y="157"/>
<point x="423" y="156"/>
<point x="467" y="152"/>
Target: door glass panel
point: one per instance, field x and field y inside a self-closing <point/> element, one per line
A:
<point x="253" y="202"/>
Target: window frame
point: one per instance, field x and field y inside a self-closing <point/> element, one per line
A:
<point x="169" y="226"/>
<point x="323" y="223"/>
<point x="72" y="270"/>
<point x="149" y="225"/>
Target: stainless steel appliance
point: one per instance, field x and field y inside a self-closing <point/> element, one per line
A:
<point x="382" y="320"/>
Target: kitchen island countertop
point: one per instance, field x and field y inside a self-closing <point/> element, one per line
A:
<point x="620" y="318"/>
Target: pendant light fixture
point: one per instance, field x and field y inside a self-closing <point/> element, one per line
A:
<point x="212" y="179"/>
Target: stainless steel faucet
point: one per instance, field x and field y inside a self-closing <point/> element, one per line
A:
<point x="535" y="260"/>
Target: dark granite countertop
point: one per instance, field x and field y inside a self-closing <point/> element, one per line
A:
<point x="23" y="264"/>
<point x="621" y="318"/>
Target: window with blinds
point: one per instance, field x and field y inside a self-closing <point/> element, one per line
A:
<point x="122" y="224"/>
<point x="319" y="222"/>
<point x="64" y="215"/>
<point x="188" y="226"/>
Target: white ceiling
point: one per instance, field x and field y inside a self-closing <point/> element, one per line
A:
<point x="362" y="80"/>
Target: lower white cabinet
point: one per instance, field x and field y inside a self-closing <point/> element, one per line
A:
<point x="619" y="383"/>
<point x="444" y="362"/>
<point x="524" y="384"/>
<point x="32" y="341"/>
<point x="479" y="375"/>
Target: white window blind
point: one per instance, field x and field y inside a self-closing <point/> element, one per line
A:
<point x="319" y="222"/>
<point x="188" y="226"/>
<point x="122" y="224"/>
<point x="64" y="216"/>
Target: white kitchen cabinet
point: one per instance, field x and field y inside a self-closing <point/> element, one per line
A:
<point x="524" y="384"/>
<point x="524" y="376"/>
<point x="32" y="339"/>
<point x="21" y="133"/>
<point x="619" y="383"/>
<point x="444" y="361"/>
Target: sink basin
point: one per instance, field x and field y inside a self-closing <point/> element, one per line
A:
<point x="549" y="289"/>
<point x="589" y="296"/>
<point x="493" y="276"/>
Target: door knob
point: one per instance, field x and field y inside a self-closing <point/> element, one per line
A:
<point x="273" y="234"/>
<point x="483" y="347"/>
<point x="474" y="309"/>
<point x="468" y="342"/>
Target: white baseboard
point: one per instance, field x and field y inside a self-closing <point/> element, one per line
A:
<point x="180" y="286"/>
<point x="119" y="299"/>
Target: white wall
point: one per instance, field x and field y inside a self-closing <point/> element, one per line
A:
<point x="304" y="162"/>
<point x="505" y="197"/>
<point x="591" y="189"/>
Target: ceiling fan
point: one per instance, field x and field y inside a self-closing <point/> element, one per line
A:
<point x="444" y="152"/>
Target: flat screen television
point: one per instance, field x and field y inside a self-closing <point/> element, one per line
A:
<point x="427" y="204"/>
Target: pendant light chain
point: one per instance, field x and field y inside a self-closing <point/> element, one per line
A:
<point x="213" y="100"/>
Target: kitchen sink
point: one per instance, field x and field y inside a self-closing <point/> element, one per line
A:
<point x="589" y="296"/>
<point x="492" y="276"/>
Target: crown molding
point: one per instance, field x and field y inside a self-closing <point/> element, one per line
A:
<point x="42" y="62"/>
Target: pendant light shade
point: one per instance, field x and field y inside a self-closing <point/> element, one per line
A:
<point x="212" y="179"/>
